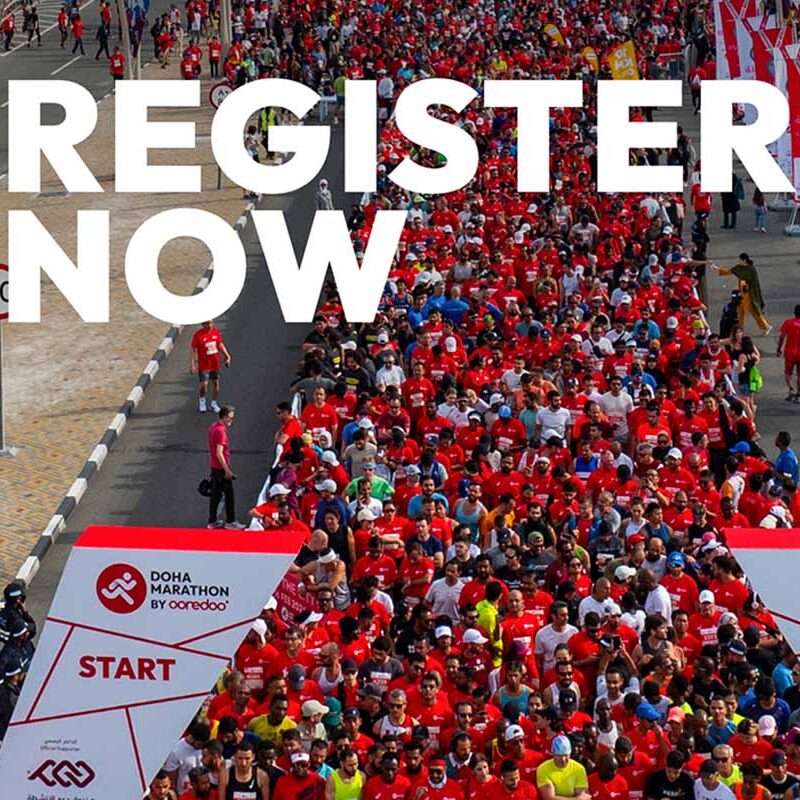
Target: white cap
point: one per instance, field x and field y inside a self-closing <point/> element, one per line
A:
<point x="329" y="457"/>
<point x="260" y="627"/>
<point x="383" y="338"/>
<point x="611" y="609"/>
<point x="496" y="398"/>
<point x="366" y="424"/>
<point x="300" y="755"/>
<point x="672" y="322"/>
<point x="350" y="345"/>
<point x="278" y="489"/>
<point x="271" y="604"/>
<point x="474" y="637"/>
<point x="626" y="298"/>
<point x="514" y="732"/>
<point x="767" y="725"/>
<point x="326" y="486"/>
<point x="623" y="572"/>
<point x="707" y="596"/>
<point x="450" y="344"/>
<point x="443" y="630"/>
<point x="365" y="514"/>
<point x="653" y="259"/>
<point x="674" y="453"/>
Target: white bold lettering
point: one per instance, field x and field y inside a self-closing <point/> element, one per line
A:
<point x="298" y="287"/>
<point x="32" y="250"/>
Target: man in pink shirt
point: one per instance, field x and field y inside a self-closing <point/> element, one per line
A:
<point x="221" y="474"/>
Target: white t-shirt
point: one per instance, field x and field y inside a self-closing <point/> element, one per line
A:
<point x="617" y="410"/>
<point x="183" y="758"/>
<point x="553" y="420"/>
<point x="721" y="792"/>
<point x="546" y="641"/>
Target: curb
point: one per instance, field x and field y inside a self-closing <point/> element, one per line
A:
<point x="58" y="521"/>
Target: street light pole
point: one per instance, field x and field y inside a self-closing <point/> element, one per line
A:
<point x="5" y="449"/>
<point x="126" y="40"/>
<point x="225" y="23"/>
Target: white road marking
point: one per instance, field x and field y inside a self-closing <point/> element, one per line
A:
<point x="64" y="66"/>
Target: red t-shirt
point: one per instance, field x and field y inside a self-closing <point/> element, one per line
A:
<point x="218" y="434"/>
<point x="207" y="344"/>
<point x="377" y="789"/>
<point x="524" y="791"/>
<point x="615" y="789"/>
<point x="791" y="330"/>
<point x="289" y="787"/>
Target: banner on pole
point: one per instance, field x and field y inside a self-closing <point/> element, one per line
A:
<point x="622" y="61"/>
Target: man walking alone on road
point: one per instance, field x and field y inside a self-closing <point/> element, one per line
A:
<point x="204" y="353"/>
<point x="221" y="474"/>
<point x="77" y="32"/>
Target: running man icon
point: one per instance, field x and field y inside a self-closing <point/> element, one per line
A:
<point x="121" y="588"/>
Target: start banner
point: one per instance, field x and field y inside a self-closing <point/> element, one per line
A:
<point x="142" y="623"/>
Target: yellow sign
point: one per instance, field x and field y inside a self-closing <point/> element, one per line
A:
<point x="622" y="60"/>
<point x="554" y="33"/>
<point x="590" y="56"/>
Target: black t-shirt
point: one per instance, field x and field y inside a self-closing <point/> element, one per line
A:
<point x="658" y="787"/>
<point x="776" y="789"/>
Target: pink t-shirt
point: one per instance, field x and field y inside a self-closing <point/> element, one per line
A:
<point x="218" y="434"/>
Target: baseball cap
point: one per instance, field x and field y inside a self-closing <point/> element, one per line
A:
<point x="370" y="690"/>
<point x="473" y="637"/>
<point x="325" y="486"/>
<point x="674" y="453"/>
<point x="777" y="757"/>
<point x="676" y="558"/>
<point x="740" y="447"/>
<point x="504" y="412"/>
<point x="260" y="627"/>
<point x="676" y="714"/>
<point x="561" y="746"/>
<point x="514" y="732"/>
<point x="351" y="713"/>
<point x="672" y="323"/>
<point x="329" y="457"/>
<point x="622" y="573"/>
<point x="297" y="676"/>
<point x="271" y="604"/>
<point x="767" y="725"/>
<point x="612" y="609"/>
<point x="496" y="399"/>
<point x="443" y="630"/>
<point x="413" y="469"/>
<point x="349" y="665"/>
<point x="311" y="707"/>
<point x="568" y="700"/>
<point x="707" y="596"/>
<point x="299" y="756"/>
<point x="278" y="489"/>
<point x="647" y="711"/>
<point x="365" y="514"/>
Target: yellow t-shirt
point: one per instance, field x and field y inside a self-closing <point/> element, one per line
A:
<point x="565" y="780"/>
<point x="262" y="727"/>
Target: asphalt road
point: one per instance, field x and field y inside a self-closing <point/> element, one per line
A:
<point x="51" y="62"/>
<point x="777" y="258"/>
<point x="151" y="475"/>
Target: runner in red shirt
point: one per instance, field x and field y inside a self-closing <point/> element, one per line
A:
<point x="388" y="785"/>
<point x="320" y="417"/>
<point x="607" y="783"/>
<point x="214" y="55"/>
<point x="204" y="352"/>
<point x="789" y="347"/>
<point x="117" y="64"/>
<point x="511" y="785"/>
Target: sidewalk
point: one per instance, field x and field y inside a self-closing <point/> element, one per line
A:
<point x="64" y="379"/>
<point x="777" y="258"/>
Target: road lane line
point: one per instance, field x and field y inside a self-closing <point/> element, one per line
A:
<point x="64" y="66"/>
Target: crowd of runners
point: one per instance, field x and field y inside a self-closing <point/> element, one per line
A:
<point x="515" y="483"/>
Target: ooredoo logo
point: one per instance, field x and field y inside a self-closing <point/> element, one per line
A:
<point x="63" y="773"/>
<point x="121" y="588"/>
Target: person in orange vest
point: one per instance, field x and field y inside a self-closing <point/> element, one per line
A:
<point x="117" y="64"/>
<point x="77" y="32"/>
<point x="189" y="68"/>
<point x="63" y="25"/>
<point x="8" y="31"/>
<point x="214" y="55"/>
